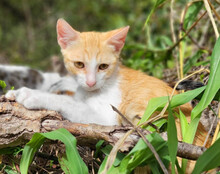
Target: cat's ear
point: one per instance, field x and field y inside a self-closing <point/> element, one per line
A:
<point x="117" y="40"/>
<point x="66" y="35"/>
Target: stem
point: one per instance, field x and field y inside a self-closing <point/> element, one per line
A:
<point x="208" y="9"/>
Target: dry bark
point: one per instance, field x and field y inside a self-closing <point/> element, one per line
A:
<point x="17" y="125"/>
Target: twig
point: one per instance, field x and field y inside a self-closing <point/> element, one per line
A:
<point x="189" y="151"/>
<point x="93" y="171"/>
<point x="197" y="44"/>
<point x="208" y="9"/>
<point x="204" y="30"/>
<point x="188" y="31"/>
<point x="213" y="9"/>
<point x="217" y="2"/>
<point x="181" y="56"/>
<point x="174" y="37"/>
<point x="38" y="166"/>
<point x="171" y="22"/>
<point x="145" y="140"/>
<point x="113" y="153"/>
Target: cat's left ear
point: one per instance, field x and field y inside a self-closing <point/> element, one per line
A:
<point x="117" y="40"/>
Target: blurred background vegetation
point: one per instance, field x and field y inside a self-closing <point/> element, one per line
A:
<point x="28" y="33"/>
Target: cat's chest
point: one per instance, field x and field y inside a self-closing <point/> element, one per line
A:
<point x="101" y="102"/>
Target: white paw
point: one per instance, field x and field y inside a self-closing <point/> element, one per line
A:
<point x="10" y="95"/>
<point x="33" y="102"/>
<point x="28" y="97"/>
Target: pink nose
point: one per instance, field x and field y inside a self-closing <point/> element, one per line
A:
<point x="91" y="83"/>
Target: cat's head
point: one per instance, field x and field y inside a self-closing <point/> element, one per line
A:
<point x="92" y="57"/>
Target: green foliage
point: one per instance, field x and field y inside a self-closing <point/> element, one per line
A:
<point x="192" y="61"/>
<point x="172" y="139"/>
<point x="159" y="102"/>
<point x="156" y="5"/>
<point x="11" y="150"/>
<point x="213" y="83"/>
<point x="98" y="148"/>
<point x="70" y="162"/>
<point x="107" y="149"/>
<point x="7" y="169"/>
<point x="141" y="155"/>
<point x="29" y="37"/>
<point x="3" y="85"/>
<point x="183" y="123"/>
<point x="191" y="14"/>
<point x="210" y="92"/>
<point x="29" y="152"/>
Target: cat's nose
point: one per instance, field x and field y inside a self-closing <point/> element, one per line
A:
<point x="91" y="83"/>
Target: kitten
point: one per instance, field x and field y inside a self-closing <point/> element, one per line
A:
<point x="93" y="60"/>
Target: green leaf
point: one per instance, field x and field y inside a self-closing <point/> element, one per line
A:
<point x="64" y="164"/>
<point x="157" y="3"/>
<point x="209" y="159"/>
<point x="141" y="155"/>
<point x="213" y="84"/>
<point x="3" y="84"/>
<point x="158" y="123"/>
<point x="29" y="150"/>
<point x="190" y="132"/>
<point x="172" y="139"/>
<point x="192" y="61"/>
<point x="158" y="103"/>
<point x="71" y="161"/>
<point x="11" y="150"/>
<point x="191" y="14"/>
<point x="114" y="170"/>
<point x="216" y="97"/>
<point x="7" y="169"/>
<point x="75" y="163"/>
<point x="107" y="149"/>
<point x="184" y="124"/>
<point x="154" y="168"/>
<point x="98" y="147"/>
<point x="102" y="166"/>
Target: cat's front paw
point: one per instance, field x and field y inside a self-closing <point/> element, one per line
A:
<point x="28" y="97"/>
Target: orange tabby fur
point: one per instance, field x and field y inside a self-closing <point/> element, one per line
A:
<point x="136" y="87"/>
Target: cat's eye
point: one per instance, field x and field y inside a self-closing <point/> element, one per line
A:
<point x="103" y="66"/>
<point x="79" y="65"/>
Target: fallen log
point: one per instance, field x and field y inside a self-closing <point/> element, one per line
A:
<point x="18" y="124"/>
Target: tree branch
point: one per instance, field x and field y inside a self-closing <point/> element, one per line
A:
<point x="17" y="125"/>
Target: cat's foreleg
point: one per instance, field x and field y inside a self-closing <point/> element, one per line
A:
<point x="32" y="99"/>
<point x="72" y="110"/>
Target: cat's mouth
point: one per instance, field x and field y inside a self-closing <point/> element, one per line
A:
<point x="93" y="88"/>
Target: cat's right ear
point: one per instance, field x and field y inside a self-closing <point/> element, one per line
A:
<point x="117" y="40"/>
<point x="66" y="35"/>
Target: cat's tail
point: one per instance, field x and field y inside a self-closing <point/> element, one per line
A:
<point x="19" y="76"/>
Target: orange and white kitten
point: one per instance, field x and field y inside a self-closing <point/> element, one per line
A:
<point x="93" y="60"/>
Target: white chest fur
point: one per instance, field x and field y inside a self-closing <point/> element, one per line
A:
<point x="100" y="101"/>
